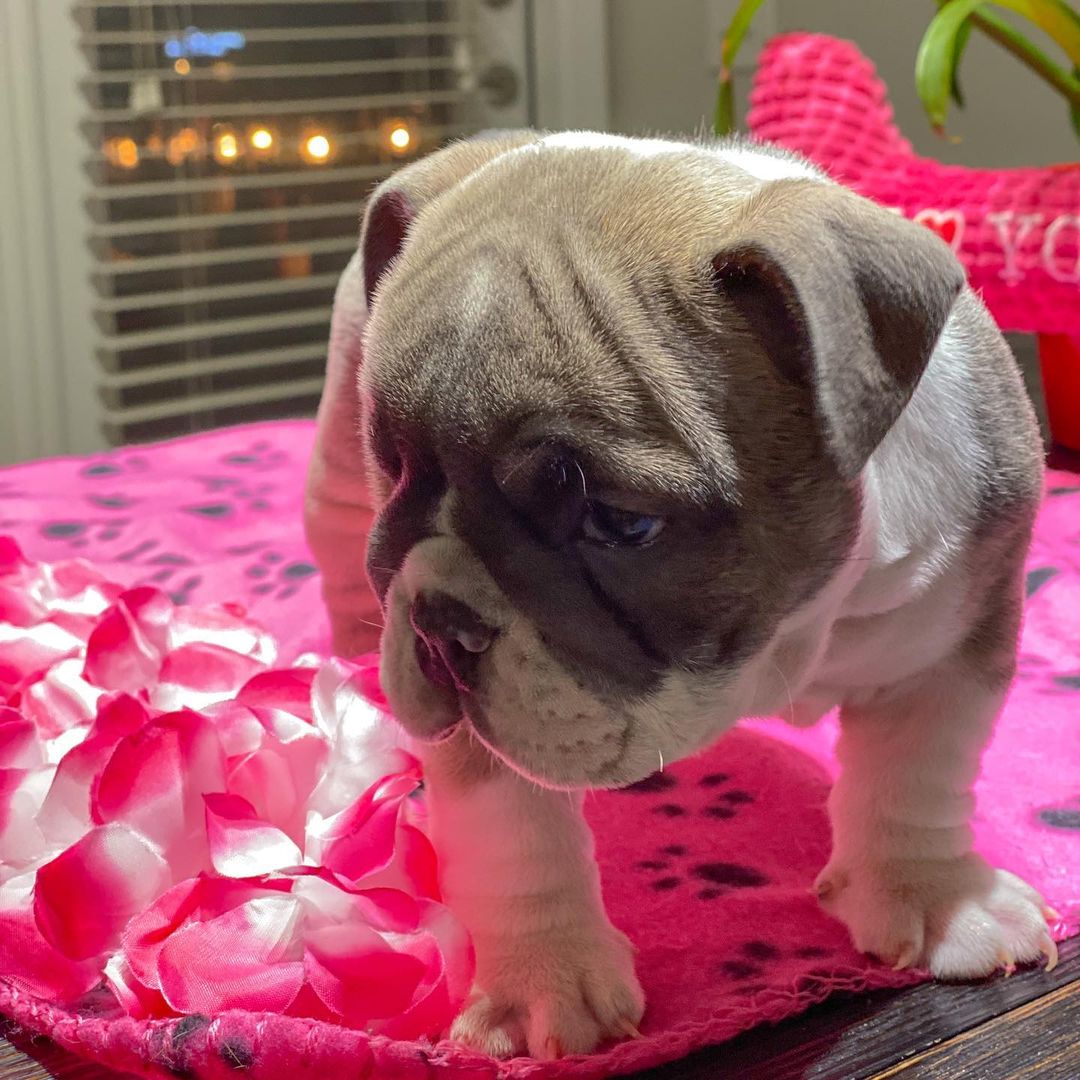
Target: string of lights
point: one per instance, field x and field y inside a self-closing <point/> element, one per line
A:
<point x="227" y="146"/>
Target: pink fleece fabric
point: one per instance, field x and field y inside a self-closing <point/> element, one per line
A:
<point x="707" y="866"/>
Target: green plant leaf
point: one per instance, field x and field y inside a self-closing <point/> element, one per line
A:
<point x="724" y="119"/>
<point x="734" y="35"/>
<point x="935" y="63"/>
<point x="1056" y="17"/>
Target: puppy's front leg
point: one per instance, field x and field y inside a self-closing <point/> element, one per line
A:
<point x="516" y="866"/>
<point x="903" y="875"/>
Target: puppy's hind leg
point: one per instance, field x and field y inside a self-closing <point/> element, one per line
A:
<point x="338" y="505"/>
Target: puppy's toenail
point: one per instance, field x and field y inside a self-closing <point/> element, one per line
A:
<point x="1050" y="951"/>
<point x="553" y="1049"/>
<point x="906" y="958"/>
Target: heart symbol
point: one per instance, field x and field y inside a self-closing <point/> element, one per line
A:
<point x="948" y="224"/>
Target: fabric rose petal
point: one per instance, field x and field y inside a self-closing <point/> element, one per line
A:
<point x="178" y="656"/>
<point x="154" y="782"/>
<point x="60" y="701"/>
<point x="124" y="651"/>
<point x="69" y="594"/>
<point x="246" y="958"/>
<point x="276" y="764"/>
<point x="26" y="653"/>
<point x="199" y="673"/>
<point x="84" y="898"/>
<point x="288" y="689"/>
<point x="20" y="747"/>
<point x="24" y="779"/>
<point x="65" y="814"/>
<point x="366" y="745"/>
<point x="200" y="830"/>
<point x="357" y="975"/>
<point x="27" y="959"/>
<point x="240" y="844"/>
<point x="224" y="625"/>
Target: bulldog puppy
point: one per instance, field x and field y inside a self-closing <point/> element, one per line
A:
<point x="657" y="436"/>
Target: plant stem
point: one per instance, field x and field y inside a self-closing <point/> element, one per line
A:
<point x="1034" y="58"/>
<point x="724" y="116"/>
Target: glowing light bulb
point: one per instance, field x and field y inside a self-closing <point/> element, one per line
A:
<point x="226" y="145"/>
<point x="317" y="147"/>
<point x="184" y="143"/>
<point x="398" y="135"/>
<point x="122" y="152"/>
<point x="182" y="66"/>
<point x="262" y="139"/>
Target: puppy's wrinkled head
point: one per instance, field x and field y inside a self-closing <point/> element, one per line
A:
<point x="617" y="397"/>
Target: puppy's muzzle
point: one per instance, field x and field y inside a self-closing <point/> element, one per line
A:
<point x="450" y="639"/>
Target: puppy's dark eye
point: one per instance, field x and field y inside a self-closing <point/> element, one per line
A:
<point x="606" y="524"/>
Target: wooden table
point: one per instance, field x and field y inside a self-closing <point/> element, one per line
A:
<point x="1026" y="1026"/>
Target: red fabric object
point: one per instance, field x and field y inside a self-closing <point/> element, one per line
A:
<point x="707" y="866"/>
<point x="1059" y="355"/>
<point x="1017" y="231"/>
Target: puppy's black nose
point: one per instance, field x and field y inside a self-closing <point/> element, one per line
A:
<point x="452" y="633"/>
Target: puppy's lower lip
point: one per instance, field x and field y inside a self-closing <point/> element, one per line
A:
<point x="474" y="716"/>
<point x="445" y="734"/>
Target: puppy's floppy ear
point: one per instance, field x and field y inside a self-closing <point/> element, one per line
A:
<point x="848" y="299"/>
<point x="396" y="202"/>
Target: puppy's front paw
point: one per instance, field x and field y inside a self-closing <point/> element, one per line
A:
<point x="960" y="918"/>
<point x="551" y="995"/>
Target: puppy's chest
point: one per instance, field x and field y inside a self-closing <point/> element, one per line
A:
<point x="896" y="625"/>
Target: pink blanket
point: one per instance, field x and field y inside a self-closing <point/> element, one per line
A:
<point x="707" y="866"/>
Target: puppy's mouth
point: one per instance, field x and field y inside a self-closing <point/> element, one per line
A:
<point x="433" y="666"/>
<point x="459" y="698"/>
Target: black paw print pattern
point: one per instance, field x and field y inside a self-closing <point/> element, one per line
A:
<point x="274" y="574"/>
<point x="104" y="487"/>
<point x="243" y="486"/>
<point x="1064" y="816"/>
<point x="210" y="518"/>
<point x="750" y="964"/>
<point x="675" y="865"/>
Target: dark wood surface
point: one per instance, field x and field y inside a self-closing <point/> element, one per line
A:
<point x="1040" y="1039"/>
<point x="874" y="1035"/>
<point x="1025" y="1026"/>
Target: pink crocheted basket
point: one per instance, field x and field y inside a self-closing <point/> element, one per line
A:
<point x="1017" y="231"/>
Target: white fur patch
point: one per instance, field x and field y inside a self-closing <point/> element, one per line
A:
<point x="769" y="166"/>
<point x="596" y="140"/>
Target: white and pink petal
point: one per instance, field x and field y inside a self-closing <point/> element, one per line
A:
<point x="248" y="957"/>
<point x="85" y="897"/>
<point x="242" y="846"/>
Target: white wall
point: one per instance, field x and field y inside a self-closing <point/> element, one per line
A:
<point x="660" y="81"/>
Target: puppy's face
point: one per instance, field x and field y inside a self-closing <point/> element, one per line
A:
<point x="607" y="480"/>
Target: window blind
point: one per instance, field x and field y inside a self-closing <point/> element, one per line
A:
<point x="229" y="148"/>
